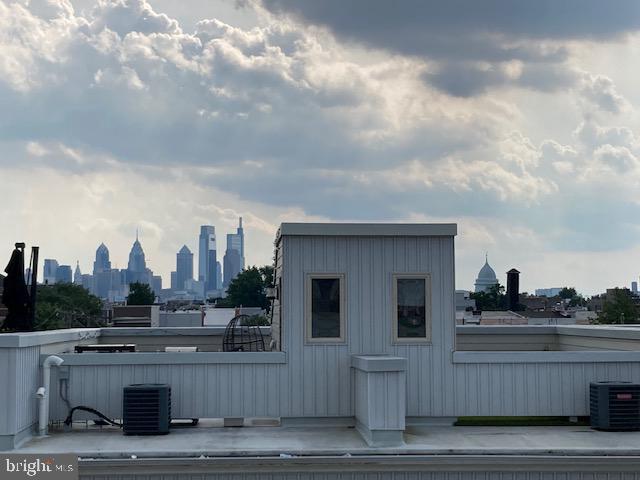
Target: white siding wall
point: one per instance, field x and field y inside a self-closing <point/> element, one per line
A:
<point x="319" y="380"/>
<point x="19" y="380"/>
<point x="197" y="391"/>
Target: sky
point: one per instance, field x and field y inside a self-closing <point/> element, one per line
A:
<point x="519" y="121"/>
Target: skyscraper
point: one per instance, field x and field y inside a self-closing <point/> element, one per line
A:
<point x="102" y="276"/>
<point x="63" y="274"/>
<point x="207" y="257"/>
<point x="184" y="267"/>
<point x="49" y="271"/>
<point x="234" y="255"/>
<point x="219" y="274"/>
<point x="137" y="270"/>
<point x="77" y="276"/>
<point x="102" y="263"/>
<point x="137" y="262"/>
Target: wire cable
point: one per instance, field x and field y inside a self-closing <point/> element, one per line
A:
<point x="69" y="418"/>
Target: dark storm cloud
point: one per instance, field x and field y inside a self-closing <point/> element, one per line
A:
<point x="457" y="34"/>
<point x="408" y="26"/>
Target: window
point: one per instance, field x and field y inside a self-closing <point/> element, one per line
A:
<point x="325" y="308"/>
<point x="411" y="308"/>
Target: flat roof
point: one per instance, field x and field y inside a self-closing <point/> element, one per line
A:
<point x="370" y="229"/>
<point x="208" y="440"/>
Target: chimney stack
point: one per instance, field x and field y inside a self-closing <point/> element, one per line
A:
<point x="513" y="289"/>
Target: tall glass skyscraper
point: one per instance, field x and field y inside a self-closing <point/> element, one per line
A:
<point x="207" y="257"/>
<point x="102" y="263"/>
<point x="184" y="267"/>
<point x="234" y="256"/>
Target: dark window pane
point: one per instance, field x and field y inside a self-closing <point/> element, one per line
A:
<point x="325" y="308"/>
<point x="411" y="308"/>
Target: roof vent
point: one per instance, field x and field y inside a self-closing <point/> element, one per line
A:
<point x="615" y="406"/>
<point x="146" y="409"/>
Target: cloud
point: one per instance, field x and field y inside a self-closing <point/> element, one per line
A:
<point x="600" y="91"/>
<point x="385" y="25"/>
<point x="132" y="113"/>
<point x="473" y="44"/>
<point x="618" y="158"/>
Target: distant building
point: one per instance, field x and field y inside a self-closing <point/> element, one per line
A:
<point x="207" y="257"/>
<point x="87" y="282"/>
<point x="634" y="287"/>
<point x="184" y="267"/>
<point x="196" y="288"/>
<point x="137" y="270"/>
<point x="219" y="275"/>
<point x="156" y="284"/>
<point x="49" y="271"/>
<point x="174" y="281"/>
<point x="548" y="292"/>
<point x="234" y="255"/>
<point x="486" y="278"/>
<point x="536" y="302"/>
<point x="63" y="274"/>
<point x="464" y="302"/>
<point x="77" y="275"/>
<point x="102" y="262"/>
<point x="232" y="266"/>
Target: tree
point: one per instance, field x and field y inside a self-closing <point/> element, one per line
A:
<point x="493" y="299"/>
<point x="140" y="294"/>
<point x="575" y="299"/>
<point x="65" y="305"/>
<point x="567" y="293"/>
<point x="618" y="308"/>
<point x="248" y="288"/>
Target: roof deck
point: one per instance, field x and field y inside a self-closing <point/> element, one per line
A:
<point x="209" y="439"/>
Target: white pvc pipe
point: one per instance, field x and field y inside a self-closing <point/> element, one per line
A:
<point x="43" y="393"/>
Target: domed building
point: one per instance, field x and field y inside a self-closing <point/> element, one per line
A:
<point x="486" y="278"/>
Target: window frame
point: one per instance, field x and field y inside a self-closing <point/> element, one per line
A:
<point x="427" y="339"/>
<point x="308" y="305"/>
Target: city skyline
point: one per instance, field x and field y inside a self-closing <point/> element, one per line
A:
<point x="169" y="115"/>
<point x="138" y="269"/>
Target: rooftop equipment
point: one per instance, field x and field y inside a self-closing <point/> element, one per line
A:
<point x="241" y="335"/>
<point x="146" y="409"/>
<point x="615" y="406"/>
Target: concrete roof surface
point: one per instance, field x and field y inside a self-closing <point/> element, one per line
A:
<point x="207" y="441"/>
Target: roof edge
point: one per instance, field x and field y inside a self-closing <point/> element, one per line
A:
<point x="370" y="229"/>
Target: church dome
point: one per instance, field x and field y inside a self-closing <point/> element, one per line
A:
<point x="487" y="273"/>
<point x="486" y="278"/>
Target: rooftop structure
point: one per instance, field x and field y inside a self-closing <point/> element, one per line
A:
<point x="363" y="361"/>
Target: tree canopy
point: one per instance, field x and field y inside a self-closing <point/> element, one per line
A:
<point x="618" y="308"/>
<point x="575" y="299"/>
<point x="140" y="294"/>
<point x="567" y="293"/>
<point x="65" y="305"/>
<point x="493" y="299"/>
<point x="248" y="288"/>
